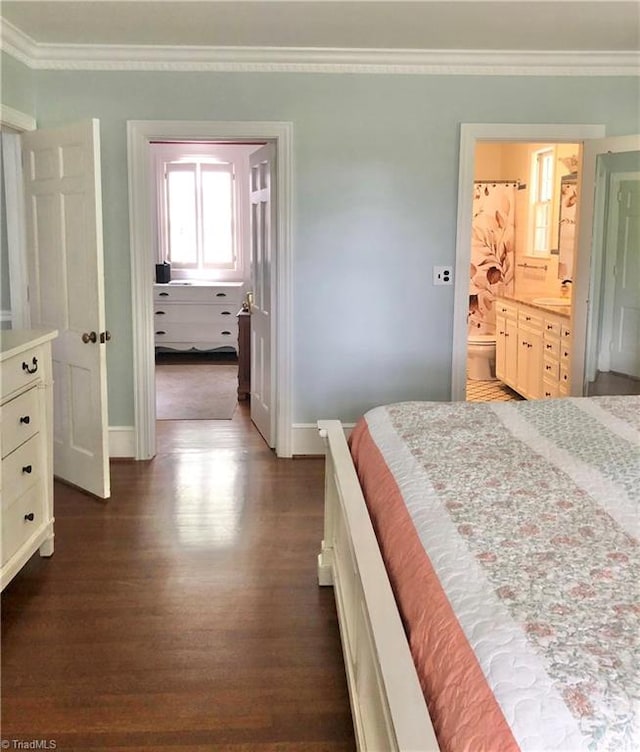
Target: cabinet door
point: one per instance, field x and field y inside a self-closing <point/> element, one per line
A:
<point x="511" y="353"/>
<point x="501" y="346"/>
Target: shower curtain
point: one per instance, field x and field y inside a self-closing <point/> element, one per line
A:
<point x="492" y="252"/>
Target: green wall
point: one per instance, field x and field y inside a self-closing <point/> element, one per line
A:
<point x="375" y="194"/>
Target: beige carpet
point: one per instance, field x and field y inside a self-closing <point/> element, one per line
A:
<point x="196" y="391"/>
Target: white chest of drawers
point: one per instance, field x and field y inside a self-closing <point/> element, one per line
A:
<point x="200" y="316"/>
<point x="26" y="441"/>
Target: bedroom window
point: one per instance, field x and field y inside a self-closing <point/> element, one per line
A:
<point x="198" y="223"/>
<point x="542" y="195"/>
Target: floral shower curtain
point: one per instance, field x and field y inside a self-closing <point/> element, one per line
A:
<point x="492" y="252"/>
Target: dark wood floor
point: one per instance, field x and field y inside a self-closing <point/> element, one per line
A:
<point x="182" y="614"/>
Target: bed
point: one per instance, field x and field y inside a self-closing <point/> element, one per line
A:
<point x="486" y="570"/>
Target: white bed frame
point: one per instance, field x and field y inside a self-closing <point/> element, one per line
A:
<point x="387" y="704"/>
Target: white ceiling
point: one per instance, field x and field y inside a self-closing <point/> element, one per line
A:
<point x="517" y="25"/>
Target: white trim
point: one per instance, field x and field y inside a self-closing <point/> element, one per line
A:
<point x="307" y="440"/>
<point x="470" y="133"/>
<point x="122" y="441"/>
<point x="587" y="278"/>
<point x="13" y="185"/>
<point x="15" y="119"/>
<point x="139" y="134"/>
<point x="5" y="316"/>
<point x="314" y="60"/>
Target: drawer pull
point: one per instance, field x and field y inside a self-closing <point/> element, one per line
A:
<point x="225" y="333"/>
<point x="27" y="469"/>
<point x="160" y="332"/>
<point x="548" y="368"/>
<point x="549" y="347"/>
<point x="527" y="318"/>
<point x="164" y="294"/>
<point x="566" y="354"/>
<point x="547" y="394"/>
<point x="25" y="419"/>
<point x="226" y="313"/>
<point x="549" y="327"/>
<point x="159" y="313"/>
<point x="221" y="295"/>
<point x="29" y="369"/>
<point x="30" y="517"/>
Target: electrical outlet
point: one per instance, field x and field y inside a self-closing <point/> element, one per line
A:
<point x="442" y="275"/>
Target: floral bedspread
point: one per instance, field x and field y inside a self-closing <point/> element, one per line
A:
<point x="526" y="517"/>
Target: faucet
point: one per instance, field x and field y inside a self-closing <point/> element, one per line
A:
<point x="565" y="286"/>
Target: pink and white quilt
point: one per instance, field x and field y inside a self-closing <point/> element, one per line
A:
<point x="510" y="533"/>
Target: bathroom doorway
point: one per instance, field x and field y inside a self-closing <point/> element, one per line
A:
<point x="471" y="135"/>
<point x="524" y="207"/>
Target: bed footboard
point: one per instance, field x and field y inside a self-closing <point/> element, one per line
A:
<point x="388" y="707"/>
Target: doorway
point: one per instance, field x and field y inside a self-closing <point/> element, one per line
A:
<point x="525" y="201"/>
<point x="470" y="136"/>
<point x="202" y="269"/>
<point x="140" y="134"/>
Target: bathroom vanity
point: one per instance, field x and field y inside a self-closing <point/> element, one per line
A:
<point x="533" y="346"/>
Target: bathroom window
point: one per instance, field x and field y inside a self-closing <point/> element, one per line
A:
<point x="198" y="227"/>
<point x="542" y="196"/>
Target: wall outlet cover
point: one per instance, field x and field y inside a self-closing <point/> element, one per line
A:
<point x="442" y="275"/>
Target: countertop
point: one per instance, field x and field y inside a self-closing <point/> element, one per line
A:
<point x="528" y="300"/>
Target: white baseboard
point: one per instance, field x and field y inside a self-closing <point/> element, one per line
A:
<point x="306" y="439"/>
<point x="122" y="441"/>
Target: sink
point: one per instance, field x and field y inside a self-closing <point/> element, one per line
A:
<point x="552" y="301"/>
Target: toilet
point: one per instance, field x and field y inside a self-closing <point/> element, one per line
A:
<point x="481" y="357"/>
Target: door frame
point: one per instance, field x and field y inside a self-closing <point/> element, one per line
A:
<point x="592" y="240"/>
<point x="139" y="135"/>
<point x="470" y="134"/>
<point x="19" y="122"/>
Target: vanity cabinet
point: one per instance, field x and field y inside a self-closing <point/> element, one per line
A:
<point x="200" y="316"/>
<point x="538" y="365"/>
<point x="26" y="442"/>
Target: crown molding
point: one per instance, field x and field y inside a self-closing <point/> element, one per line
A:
<point x="314" y="60"/>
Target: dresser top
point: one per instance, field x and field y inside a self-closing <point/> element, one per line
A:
<point x="15" y="341"/>
<point x="196" y="283"/>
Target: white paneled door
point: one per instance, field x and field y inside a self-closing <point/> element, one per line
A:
<point x="625" y="342"/>
<point x="63" y="210"/>
<point x="263" y="245"/>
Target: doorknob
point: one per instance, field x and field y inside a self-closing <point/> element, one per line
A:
<point x="105" y="336"/>
<point x="89" y="337"/>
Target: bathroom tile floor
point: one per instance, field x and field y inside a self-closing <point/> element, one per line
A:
<point x="490" y="391"/>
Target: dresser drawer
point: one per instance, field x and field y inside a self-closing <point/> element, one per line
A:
<point x="551" y="347"/>
<point x="21" y="420"/>
<point x="220" y="335"/>
<point x="21" y="370"/>
<point x="231" y="294"/>
<point x="21" y="469"/>
<point x="21" y="519"/>
<point x="194" y="313"/>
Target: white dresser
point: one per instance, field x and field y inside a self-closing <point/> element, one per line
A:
<point x="26" y="440"/>
<point x="196" y="315"/>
